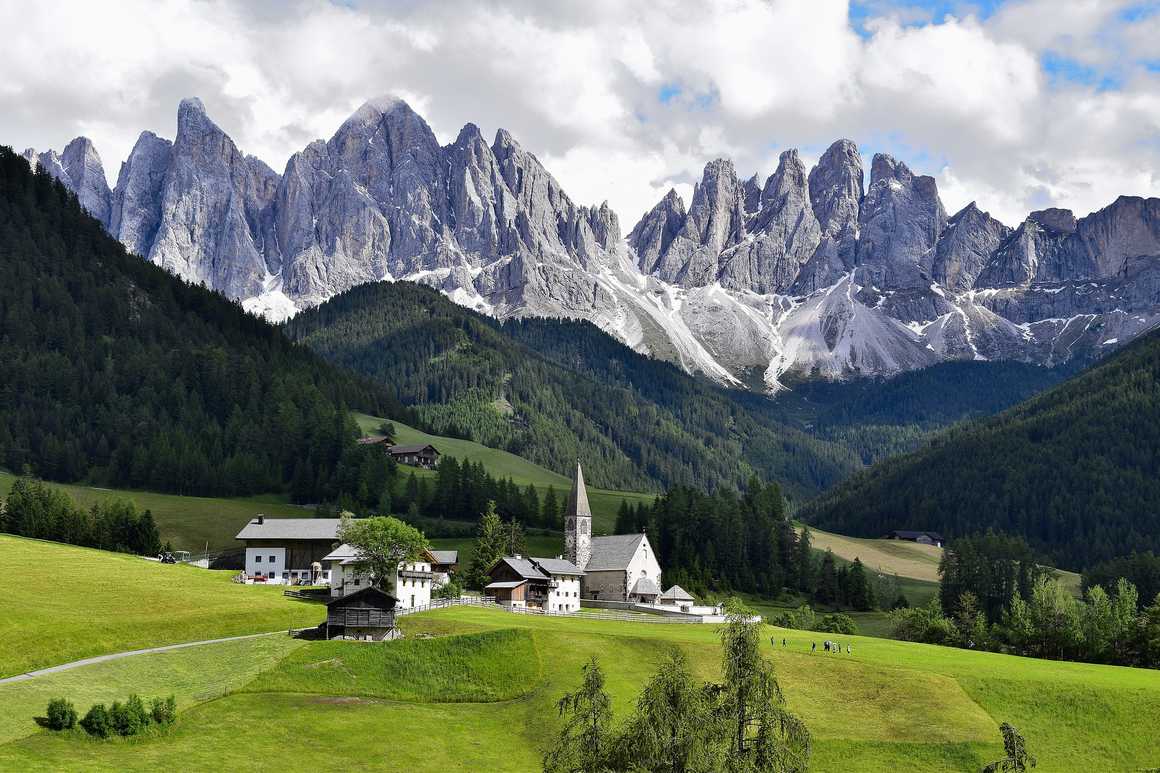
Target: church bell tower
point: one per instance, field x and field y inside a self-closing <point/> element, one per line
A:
<point x="578" y="523"/>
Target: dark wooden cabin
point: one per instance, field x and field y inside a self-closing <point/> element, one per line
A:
<point x="365" y="614"/>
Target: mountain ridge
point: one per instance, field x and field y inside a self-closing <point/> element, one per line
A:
<point x="809" y="274"/>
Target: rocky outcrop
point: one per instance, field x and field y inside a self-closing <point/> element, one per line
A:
<point x="79" y="168"/>
<point x="715" y="222"/>
<point x="784" y="234"/>
<point x="899" y="224"/>
<point x="965" y="247"/>
<point x="651" y="237"/>
<point x="136" y="207"/>
<point x="836" y="197"/>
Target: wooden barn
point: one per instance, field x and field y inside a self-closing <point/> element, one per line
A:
<point x="368" y="614"/>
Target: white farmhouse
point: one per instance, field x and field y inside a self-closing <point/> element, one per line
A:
<point x="414" y="580"/>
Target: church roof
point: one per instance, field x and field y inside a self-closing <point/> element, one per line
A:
<point x="613" y="552"/>
<point x="645" y="587"/>
<point x="578" y="498"/>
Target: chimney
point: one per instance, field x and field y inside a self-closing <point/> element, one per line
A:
<point x="261" y="519"/>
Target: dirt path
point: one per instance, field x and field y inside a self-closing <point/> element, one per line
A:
<point x="127" y="654"/>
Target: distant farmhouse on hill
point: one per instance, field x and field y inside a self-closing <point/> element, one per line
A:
<point x="422" y="455"/>
<point x="921" y="537"/>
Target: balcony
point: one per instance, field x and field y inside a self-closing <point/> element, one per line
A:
<point x="415" y="574"/>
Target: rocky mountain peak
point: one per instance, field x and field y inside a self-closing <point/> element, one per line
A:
<point x="900" y="222"/>
<point x="965" y="247"/>
<point x="1055" y="219"/>
<point x="650" y="238"/>
<point x="752" y="195"/>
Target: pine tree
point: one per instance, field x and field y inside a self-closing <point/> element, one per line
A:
<point x="489" y="547"/>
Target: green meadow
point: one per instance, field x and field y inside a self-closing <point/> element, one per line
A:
<point x="65" y="603"/>
<point x="471" y="688"/>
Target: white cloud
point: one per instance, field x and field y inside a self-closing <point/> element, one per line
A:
<point x="579" y="83"/>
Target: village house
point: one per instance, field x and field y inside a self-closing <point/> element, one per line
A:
<point x="367" y="614"/>
<point x="921" y="537"/>
<point x="413" y="583"/>
<point x="288" y="551"/>
<point x="550" y="584"/>
<point x="306" y="551"/>
<point x="620" y="567"/>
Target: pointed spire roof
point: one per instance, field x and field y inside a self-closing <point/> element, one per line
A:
<point x="578" y="498"/>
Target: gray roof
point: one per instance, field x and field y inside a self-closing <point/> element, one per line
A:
<point x="500" y="585"/>
<point x="523" y="567"/>
<point x="532" y="568"/>
<point x="291" y="528"/>
<point x="446" y="556"/>
<point x="677" y="593"/>
<point x="578" y="497"/>
<point x="413" y="449"/>
<point x="645" y="587"/>
<point x="343" y="553"/>
<point x="612" y="553"/>
<point x="558" y="566"/>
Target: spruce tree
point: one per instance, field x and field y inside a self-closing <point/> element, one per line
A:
<point x="489" y="547"/>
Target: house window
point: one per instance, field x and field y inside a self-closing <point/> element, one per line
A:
<point x="272" y="559"/>
<point x="285" y="575"/>
<point x="257" y="559"/>
<point x="356" y="581"/>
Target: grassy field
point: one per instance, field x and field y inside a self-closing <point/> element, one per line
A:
<point x="64" y="603"/>
<point x="188" y="522"/>
<point x="888" y="706"/>
<point x="908" y="560"/>
<point x="503" y="464"/>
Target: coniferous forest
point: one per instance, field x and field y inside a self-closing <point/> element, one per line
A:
<point x="1074" y="470"/>
<point x="114" y="372"/>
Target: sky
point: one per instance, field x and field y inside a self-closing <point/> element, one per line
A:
<point x="1017" y="105"/>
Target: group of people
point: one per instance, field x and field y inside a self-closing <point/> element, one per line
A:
<point x="827" y="646"/>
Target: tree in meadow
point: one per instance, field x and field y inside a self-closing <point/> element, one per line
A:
<point x="583" y="745"/>
<point x="762" y="734"/>
<point x="673" y="728"/>
<point x="1017" y="759"/>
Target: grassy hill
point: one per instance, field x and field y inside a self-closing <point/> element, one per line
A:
<point x="1073" y="470"/>
<point x="888" y="706"/>
<point x="504" y="464"/>
<point x="63" y="603"/>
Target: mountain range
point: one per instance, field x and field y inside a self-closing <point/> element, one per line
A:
<point x="807" y="274"/>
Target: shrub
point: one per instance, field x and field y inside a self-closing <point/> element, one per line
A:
<point x="164" y="710"/>
<point x="61" y="715"/>
<point x="96" y="721"/>
<point x="837" y="623"/>
<point x="130" y="717"/>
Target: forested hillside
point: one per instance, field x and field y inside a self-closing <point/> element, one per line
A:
<point x="553" y="390"/>
<point x="1074" y="470"/>
<point x="114" y="372"/>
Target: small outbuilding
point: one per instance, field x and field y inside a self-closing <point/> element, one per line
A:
<point x="368" y="615"/>
<point x="509" y="593"/>
<point x="676" y="596"/>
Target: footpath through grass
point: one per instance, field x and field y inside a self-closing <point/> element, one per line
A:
<point x="65" y="603"/>
<point x="887" y="706"/>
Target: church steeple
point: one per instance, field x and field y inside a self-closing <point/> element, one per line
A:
<point x="578" y="522"/>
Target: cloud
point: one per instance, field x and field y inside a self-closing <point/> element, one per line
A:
<point x="1018" y="105"/>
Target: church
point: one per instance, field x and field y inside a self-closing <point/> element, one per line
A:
<point x="621" y="567"/>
